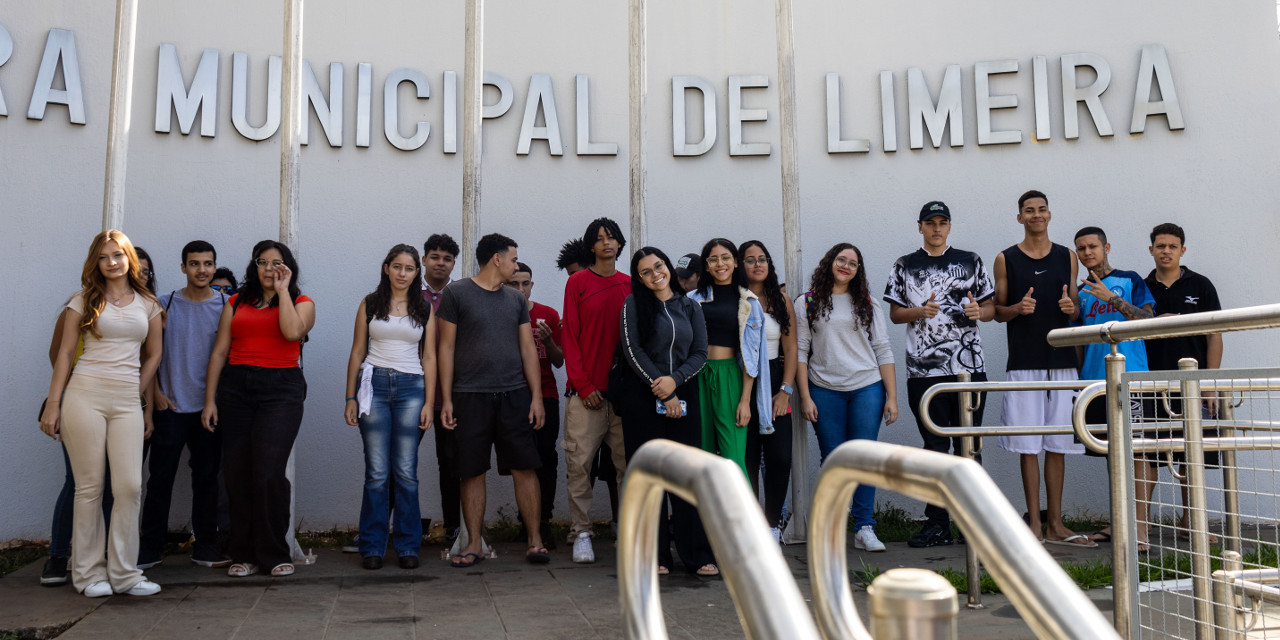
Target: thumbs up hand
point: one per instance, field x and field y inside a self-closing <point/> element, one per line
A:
<point x="1065" y="304"/>
<point x="1027" y="305"/>
<point x="971" y="309"/>
<point x="931" y="307"/>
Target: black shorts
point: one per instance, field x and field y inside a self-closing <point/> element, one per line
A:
<point x="1142" y="408"/>
<point x="494" y="421"/>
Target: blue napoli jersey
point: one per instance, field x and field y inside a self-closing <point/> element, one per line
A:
<point x="1131" y="288"/>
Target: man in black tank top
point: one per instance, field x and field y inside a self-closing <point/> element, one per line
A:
<point x="1035" y="294"/>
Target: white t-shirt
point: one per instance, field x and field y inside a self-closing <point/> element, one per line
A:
<point x="116" y="353"/>
<point x="772" y="334"/>
<point x="393" y="344"/>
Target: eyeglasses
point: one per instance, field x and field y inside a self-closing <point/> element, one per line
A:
<point x="718" y="260"/>
<point x="223" y="287"/>
<point x="145" y="273"/>
<point x="841" y="262"/>
<point x="649" y="273"/>
<point x="751" y="262"/>
<point x="274" y="263"/>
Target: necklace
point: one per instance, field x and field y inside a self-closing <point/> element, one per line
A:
<point x="116" y="302"/>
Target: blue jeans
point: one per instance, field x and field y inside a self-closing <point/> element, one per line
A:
<point x="845" y="416"/>
<point x="390" y="433"/>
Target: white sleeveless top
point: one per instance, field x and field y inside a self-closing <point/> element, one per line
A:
<point x="773" y="334"/>
<point x="393" y="344"/>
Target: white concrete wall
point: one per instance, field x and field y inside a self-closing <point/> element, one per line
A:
<point x="1214" y="178"/>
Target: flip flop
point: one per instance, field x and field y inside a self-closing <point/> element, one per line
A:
<point x="1100" y="536"/>
<point x="1069" y="541"/>
<point x="537" y="555"/>
<point x="1184" y="534"/>
<point x="475" y="559"/>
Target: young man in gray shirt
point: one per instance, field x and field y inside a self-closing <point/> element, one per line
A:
<point x="492" y="390"/>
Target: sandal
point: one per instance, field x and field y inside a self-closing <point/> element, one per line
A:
<point x="1100" y="536"/>
<point x="708" y="570"/>
<point x="242" y="569"/>
<point x="282" y="570"/>
<point x="662" y="571"/>
<point x="537" y="555"/>
<point x="467" y="560"/>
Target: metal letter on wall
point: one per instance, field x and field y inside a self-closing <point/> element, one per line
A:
<point x="583" y="114"/>
<point x="1091" y="95"/>
<point x="888" y="112"/>
<point x="506" y="96"/>
<point x="240" y="97"/>
<point x="985" y="102"/>
<point x="450" y="112"/>
<point x="1154" y="62"/>
<point x="1040" y="78"/>
<point x="59" y="48"/>
<point x="738" y="115"/>
<point x="6" y="50"/>
<point x="922" y="112"/>
<point x="679" y="138"/>
<point x="171" y="90"/>
<point x="328" y="111"/>
<point x="391" y="109"/>
<point x="364" y="103"/>
<point x="834" y="143"/>
<point x="540" y="95"/>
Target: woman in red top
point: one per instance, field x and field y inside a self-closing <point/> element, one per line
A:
<point x="254" y="395"/>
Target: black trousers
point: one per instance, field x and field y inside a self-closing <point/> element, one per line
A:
<point x="776" y="451"/>
<point x="447" y="464"/>
<point x="640" y="424"/>
<point x="173" y="431"/>
<point x="259" y="414"/>
<point x="945" y="411"/>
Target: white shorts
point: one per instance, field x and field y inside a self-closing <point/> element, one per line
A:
<point x="1039" y="408"/>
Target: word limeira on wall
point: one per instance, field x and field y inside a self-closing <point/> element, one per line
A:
<point x="192" y="95"/>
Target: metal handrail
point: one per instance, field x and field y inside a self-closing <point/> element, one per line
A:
<point x="1192" y="324"/>
<point x="768" y="601"/>
<point x="1052" y="605"/>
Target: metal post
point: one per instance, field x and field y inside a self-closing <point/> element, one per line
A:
<point x="1193" y="431"/>
<point x="798" y="525"/>
<point x="291" y="130"/>
<point x="639" y="109"/>
<point x="972" y="569"/>
<point x="1230" y="476"/>
<point x="472" y="141"/>
<point x="118" y="120"/>
<point x="912" y="604"/>
<point x="1226" y="612"/>
<point x="1124" y="568"/>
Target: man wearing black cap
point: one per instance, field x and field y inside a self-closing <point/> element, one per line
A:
<point x="687" y="269"/>
<point x="940" y="293"/>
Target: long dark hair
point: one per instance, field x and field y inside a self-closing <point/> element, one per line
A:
<point x="704" y="277"/>
<point x="251" y="290"/>
<point x="151" y="266"/>
<point x="818" y="299"/>
<point x="646" y="302"/>
<point x="777" y="303"/>
<point x="378" y="304"/>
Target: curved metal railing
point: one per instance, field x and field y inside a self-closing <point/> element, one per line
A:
<point x="768" y="601"/>
<point x="1048" y="600"/>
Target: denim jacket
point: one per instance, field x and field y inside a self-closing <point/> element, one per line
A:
<point x="753" y="350"/>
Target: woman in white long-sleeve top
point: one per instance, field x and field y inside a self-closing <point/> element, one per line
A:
<point x="846" y="377"/>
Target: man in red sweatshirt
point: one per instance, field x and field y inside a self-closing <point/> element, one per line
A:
<point x="593" y="300"/>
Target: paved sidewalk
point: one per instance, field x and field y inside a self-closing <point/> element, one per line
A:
<point x="505" y="597"/>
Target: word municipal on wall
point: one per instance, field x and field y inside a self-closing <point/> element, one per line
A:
<point x="187" y="100"/>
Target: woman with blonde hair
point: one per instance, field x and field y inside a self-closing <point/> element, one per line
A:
<point x="96" y="411"/>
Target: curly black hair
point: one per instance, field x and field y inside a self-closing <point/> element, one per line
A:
<point x="818" y="298"/>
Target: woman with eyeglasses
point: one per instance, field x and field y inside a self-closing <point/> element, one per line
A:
<point x="846" y="378"/>
<point x="254" y="394"/>
<point x="780" y="334"/>
<point x="664" y="344"/>
<point x="737" y="354"/>
<point x="96" y="410"/>
<point x="391" y="384"/>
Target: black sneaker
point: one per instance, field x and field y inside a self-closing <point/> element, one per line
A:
<point x="932" y="535"/>
<point x="54" y="573"/>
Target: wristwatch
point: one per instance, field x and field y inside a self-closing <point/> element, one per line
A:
<point x="788" y="389"/>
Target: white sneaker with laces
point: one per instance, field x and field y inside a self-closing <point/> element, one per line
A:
<point x="144" y="588"/>
<point x="582" y="551"/>
<point x="866" y="539"/>
<point x="99" y="589"/>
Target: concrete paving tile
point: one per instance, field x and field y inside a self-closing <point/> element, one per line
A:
<point x="127" y="616"/>
<point x="389" y="630"/>
<point x="458" y="607"/>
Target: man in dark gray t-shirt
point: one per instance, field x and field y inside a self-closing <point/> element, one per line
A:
<point x="492" y="390"/>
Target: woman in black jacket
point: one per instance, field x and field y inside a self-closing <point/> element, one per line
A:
<point x="664" y="345"/>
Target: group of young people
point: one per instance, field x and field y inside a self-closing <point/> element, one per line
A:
<point x="710" y="351"/>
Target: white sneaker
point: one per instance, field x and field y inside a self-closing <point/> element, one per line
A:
<point x="99" y="589"/>
<point x="777" y="535"/>
<point x="866" y="539"/>
<point x="582" y="551"/>
<point x="144" y="588"/>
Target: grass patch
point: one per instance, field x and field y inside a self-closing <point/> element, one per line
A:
<point x="19" y="554"/>
<point x="960" y="580"/>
